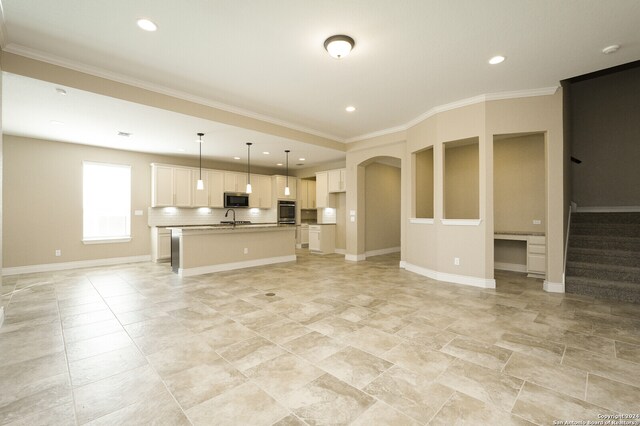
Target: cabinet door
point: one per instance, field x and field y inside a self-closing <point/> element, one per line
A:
<point x="322" y="189"/>
<point x="162" y="186"/>
<point x="293" y="188"/>
<point x="304" y="235"/>
<point x="241" y="182"/>
<point x="164" y="246"/>
<point x="311" y="194"/>
<point x="216" y="188"/>
<point x="265" y="192"/>
<point x="334" y="180"/>
<point x="343" y="180"/>
<point x="182" y="187"/>
<point x="200" y="197"/>
<point x="314" y="240"/>
<point x="303" y="194"/>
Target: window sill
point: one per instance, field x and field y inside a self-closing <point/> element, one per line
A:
<point x="106" y="240"/>
<point x="422" y="220"/>
<point x="461" y="222"/>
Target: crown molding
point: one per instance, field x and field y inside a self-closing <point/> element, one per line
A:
<point x="97" y="72"/>
<point x="545" y="91"/>
<point x="3" y="28"/>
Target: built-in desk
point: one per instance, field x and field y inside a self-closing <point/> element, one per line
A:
<point x="536" y="243"/>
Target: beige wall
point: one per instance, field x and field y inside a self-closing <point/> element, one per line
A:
<point x="2" y="301"/>
<point x="341" y="221"/>
<point x="518" y="183"/>
<point x="423" y="166"/>
<point x="382" y="207"/>
<point x="461" y="181"/>
<point x="43" y="200"/>
<point x="509" y="251"/>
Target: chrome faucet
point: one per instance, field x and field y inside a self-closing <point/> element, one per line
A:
<point x="234" y="216"/>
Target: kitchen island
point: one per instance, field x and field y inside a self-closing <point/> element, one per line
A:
<point x="197" y="250"/>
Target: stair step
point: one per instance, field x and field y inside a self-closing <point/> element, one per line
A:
<point x="604" y="289"/>
<point x="606" y="229"/>
<point x="603" y="271"/>
<point x="628" y="217"/>
<point x="610" y="257"/>
<point x="605" y="242"/>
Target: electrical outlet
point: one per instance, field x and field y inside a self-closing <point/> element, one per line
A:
<point x="58" y="253"/>
<point x="246" y="250"/>
<point x="537" y="221"/>
<point x="456" y="261"/>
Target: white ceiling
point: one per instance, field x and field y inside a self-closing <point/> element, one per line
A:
<point x="266" y="57"/>
<point x="30" y="106"/>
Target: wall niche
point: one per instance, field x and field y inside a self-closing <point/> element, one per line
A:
<point x="462" y="179"/>
<point x="423" y="184"/>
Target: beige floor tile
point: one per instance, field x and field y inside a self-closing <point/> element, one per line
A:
<point x="589" y="342"/>
<point x="41" y="396"/>
<point x="532" y="346"/>
<point x="160" y="409"/>
<point x="19" y="346"/>
<point x="543" y="406"/>
<point x="87" y="370"/>
<point x="385" y="322"/>
<point x="180" y="358"/>
<point x="419" y="359"/>
<point x="355" y="367"/>
<point x="335" y="326"/>
<point x="328" y="400"/>
<point x="258" y="319"/>
<point x="462" y="409"/>
<point x="480" y="353"/>
<point x="290" y="420"/>
<point x="105" y="396"/>
<point x="628" y="352"/>
<point x="410" y="393"/>
<point x="87" y="318"/>
<point x="609" y="367"/>
<point x="70" y="311"/>
<point x="97" y="345"/>
<point x="567" y="380"/>
<point x="62" y="415"/>
<point x="372" y="340"/>
<point x="613" y="395"/>
<point x="251" y="352"/>
<point x="133" y="317"/>
<point x="243" y="405"/>
<point x="282" y="331"/>
<point x="226" y="335"/>
<point x="200" y="383"/>
<point x="283" y="374"/>
<point x="88" y="331"/>
<point x="382" y="414"/>
<point x="482" y="383"/>
<point x="314" y="346"/>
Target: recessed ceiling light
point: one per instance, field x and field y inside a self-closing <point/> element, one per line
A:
<point x="266" y="152"/>
<point x="279" y="164"/>
<point x="124" y="134"/>
<point x="147" y="25"/>
<point x="339" y="46"/>
<point x="180" y="149"/>
<point x="611" y="49"/>
<point x="236" y="158"/>
<point x="57" y="123"/>
<point x="61" y="91"/>
<point x="497" y="60"/>
<point x="301" y="159"/>
<point x="350" y="108"/>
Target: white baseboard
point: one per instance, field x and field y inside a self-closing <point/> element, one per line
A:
<point x="189" y="272"/>
<point x="298" y="246"/>
<point x="382" y="251"/>
<point x="340" y="251"/>
<point x="513" y="267"/>
<point x="451" y="278"/>
<point x="609" y="209"/>
<point x="47" y="267"/>
<point x="355" y="257"/>
<point x="552" y="287"/>
<point x="1" y="316"/>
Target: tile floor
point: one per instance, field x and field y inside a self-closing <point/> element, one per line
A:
<point x="338" y="343"/>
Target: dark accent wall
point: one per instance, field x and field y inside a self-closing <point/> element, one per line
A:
<point x="604" y="127"/>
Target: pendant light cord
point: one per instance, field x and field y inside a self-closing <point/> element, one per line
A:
<point x="287" y="152"/>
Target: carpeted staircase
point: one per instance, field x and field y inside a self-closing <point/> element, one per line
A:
<point x="603" y="258"/>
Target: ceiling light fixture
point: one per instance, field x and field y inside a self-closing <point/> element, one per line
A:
<point x="611" y="49"/>
<point x="339" y="46"/>
<point x="350" y="108"/>
<point x="287" y="192"/>
<point x="236" y="158"/>
<point x="61" y="91"/>
<point x="301" y="159"/>
<point x="56" y="122"/>
<point x="146" y="25"/>
<point x="266" y="152"/>
<point x="124" y="134"/>
<point x="497" y="60"/>
<point x="248" y="191"/>
<point x="200" y="184"/>
<point x="279" y="164"/>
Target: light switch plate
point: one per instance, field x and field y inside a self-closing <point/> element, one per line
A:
<point x="138" y="212"/>
<point x="537" y="221"/>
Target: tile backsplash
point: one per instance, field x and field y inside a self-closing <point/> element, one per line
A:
<point x="174" y="216"/>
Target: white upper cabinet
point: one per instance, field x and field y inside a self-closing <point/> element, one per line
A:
<point x="323" y="197"/>
<point x="280" y="182"/>
<point x="261" y="194"/>
<point x="171" y="186"/>
<point x="337" y="180"/>
<point x="307" y="194"/>
<point x="215" y="181"/>
<point x="235" y="182"/>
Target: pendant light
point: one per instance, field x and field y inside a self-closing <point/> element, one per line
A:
<point x="200" y="184"/>
<point x="286" y="188"/>
<point x="248" y="191"/>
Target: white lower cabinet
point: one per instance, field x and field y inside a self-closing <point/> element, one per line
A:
<point x="160" y="244"/>
<point x="322" y="238"/>
<point x="536" y="255"/>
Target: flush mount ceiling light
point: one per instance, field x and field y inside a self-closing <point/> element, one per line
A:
<point x="611" y="49"/>
<point x="249" y="167"/>
<point x="61" y="91"/>
<point x="497" y="60"/>
<point x="200" y="184"/>
<point x="266" y="152"/>
<point x="301" y="159"/>
<point x="339" y="46"/>
<point x="124" y="134"/>
<point x="286" y="188"/>
<point x="146" y="24"/>
<point x="236" y="158"/>
<point x="350" y="108"/>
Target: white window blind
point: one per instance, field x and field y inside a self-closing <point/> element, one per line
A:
<point x="106" y="201"/>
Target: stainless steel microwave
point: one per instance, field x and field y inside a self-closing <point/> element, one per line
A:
<point x="236" y="199"/>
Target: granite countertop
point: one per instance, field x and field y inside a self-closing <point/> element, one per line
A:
<point x="535" y="234"/>
<point x="227" y="227"/>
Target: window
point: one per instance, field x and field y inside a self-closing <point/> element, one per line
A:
<point x="106" y="202"/>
